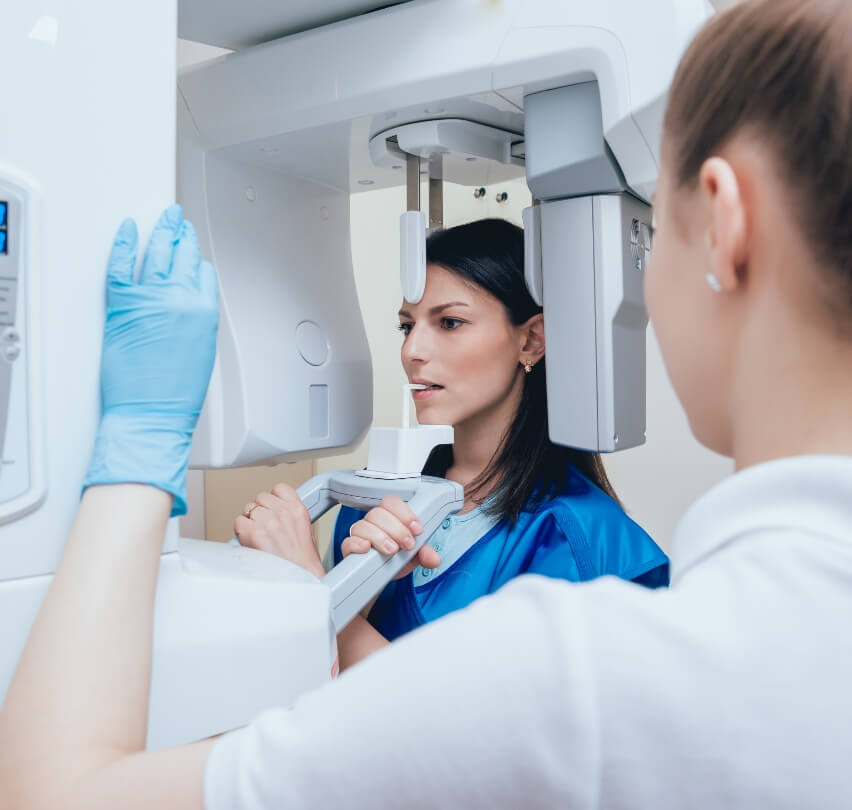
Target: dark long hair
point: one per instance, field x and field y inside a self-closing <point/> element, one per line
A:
<point x="527" y="467"/>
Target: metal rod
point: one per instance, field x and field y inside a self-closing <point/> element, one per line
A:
<point x="436" y="191"/>
<point x="412" y="182"/>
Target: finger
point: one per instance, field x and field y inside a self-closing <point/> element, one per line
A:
<point x="432" y="560"/>
<point x="377" y="538"/>
<point x="407" y="569"/>
<point x="354" y="545"/>
<point x="391" y="526"/>
<point x="157" y="263"/>
<point x="263" y="520"/>
<point x="428" y="557"/>
<point x="276" y="504"/>
<point x="285" y="492"/>
<point x="402" y="511"/>
<point x="244" y="530"/>
<point x="187" y="257"/>
<point x="122" y="257"/>
<point x="291" y="506"/>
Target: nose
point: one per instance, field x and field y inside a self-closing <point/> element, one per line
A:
<point x="416" y="349"/>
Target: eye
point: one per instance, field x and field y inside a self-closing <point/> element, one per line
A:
<point x="451" y="323"/>
<point x="405" y="328"/>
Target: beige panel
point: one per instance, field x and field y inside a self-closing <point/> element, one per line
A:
<point x="192" y="523"/>
<point x="226" y="492"/>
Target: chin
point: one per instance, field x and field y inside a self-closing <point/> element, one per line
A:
<point x="430" y="416"/>
<point x="712" y="437"/>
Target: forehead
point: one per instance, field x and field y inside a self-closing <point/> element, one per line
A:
<point x="444" y="286"/>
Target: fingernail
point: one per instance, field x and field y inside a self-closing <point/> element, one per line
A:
<point x="391" y="548"/>
<point x="415" y="527"/>
<point x="409" y="542"/>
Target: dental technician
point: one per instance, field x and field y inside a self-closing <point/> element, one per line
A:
<point x="731" y="689"/>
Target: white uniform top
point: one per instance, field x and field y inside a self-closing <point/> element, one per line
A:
<point x="733" y="689"/>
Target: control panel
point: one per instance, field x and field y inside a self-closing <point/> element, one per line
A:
<point x="21" y="479"/>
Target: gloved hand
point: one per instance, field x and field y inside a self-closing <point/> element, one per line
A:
<point x="158" y="352"/>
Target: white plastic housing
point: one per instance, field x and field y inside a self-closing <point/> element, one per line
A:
<point x="82" y="170"/>
<point x="594" y="311"/>
<point x="89" y="138"/>
<point x="235" y="632"/>
<point x="412" y="255"/>
<point x="308" y="105"/>
<point x="22" y="478"/>
<point x="576" y="89"/>
<point x="293" y="376"/>
<point x="532" y="253"/>
<point x="402" y="452"/>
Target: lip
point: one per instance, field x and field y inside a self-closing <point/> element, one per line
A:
<point x="428" y="393"/>
<point x="419" y="396"/>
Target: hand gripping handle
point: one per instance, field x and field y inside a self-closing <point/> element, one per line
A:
<point x="359" y="577"/>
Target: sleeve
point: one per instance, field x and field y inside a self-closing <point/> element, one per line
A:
<point x="513" y="722"/>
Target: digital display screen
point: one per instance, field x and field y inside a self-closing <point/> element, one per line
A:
<point x="4" y="235"/>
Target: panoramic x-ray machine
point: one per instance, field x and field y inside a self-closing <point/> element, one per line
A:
<point x="263" y="147"/>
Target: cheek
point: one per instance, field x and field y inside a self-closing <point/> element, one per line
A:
<point x="480" y="363"/>
<point x="663" y="301"/>
<point x="477" y="369"/>
<point x="686" y="328"/>
<point x="495" y="379"/>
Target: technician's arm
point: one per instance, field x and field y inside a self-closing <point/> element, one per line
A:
<point x="76" y="712"/>
<point x="73" y="727"/>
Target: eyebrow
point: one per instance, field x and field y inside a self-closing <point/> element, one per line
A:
<point x="435" y="310"/>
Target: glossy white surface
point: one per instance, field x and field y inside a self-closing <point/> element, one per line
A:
<point x="238" y="25"/>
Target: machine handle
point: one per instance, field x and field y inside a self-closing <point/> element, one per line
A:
<point x="359" y="577"/>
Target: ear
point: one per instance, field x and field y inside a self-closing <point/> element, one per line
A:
<point x="532" y="339"/>
<point x="725" y="222"/>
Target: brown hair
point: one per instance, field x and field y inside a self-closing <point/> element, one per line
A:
<point x="782" y="70"/>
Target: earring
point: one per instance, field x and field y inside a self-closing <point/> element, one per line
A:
<point x="527" y="367"/>
<point x="714" y="282"/>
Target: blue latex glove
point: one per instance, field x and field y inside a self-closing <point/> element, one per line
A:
<point x="158" y="352"/>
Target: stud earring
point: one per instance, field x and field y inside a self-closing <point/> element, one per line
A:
<point x="527" y="367"/>
<point x="714" y="282"/>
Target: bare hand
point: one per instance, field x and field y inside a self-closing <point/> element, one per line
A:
<point x="388" y="528"/>
<point x="278" y="522"/>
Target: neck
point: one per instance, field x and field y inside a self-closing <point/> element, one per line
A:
<point x="792" y="396"/>
<point x="478" y="438"/>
